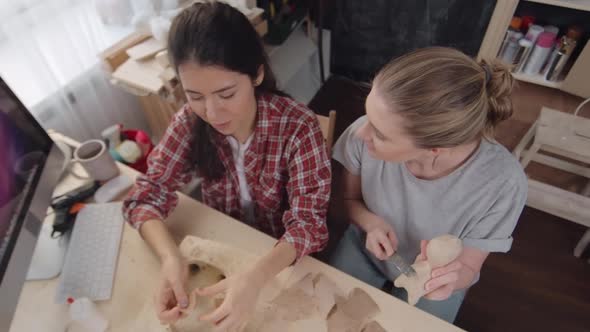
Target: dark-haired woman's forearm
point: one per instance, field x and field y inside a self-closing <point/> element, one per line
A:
<point x="277" y="259"/>
<point x="157" y="236"/>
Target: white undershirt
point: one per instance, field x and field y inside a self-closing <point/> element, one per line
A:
<point x="238" y="152"/>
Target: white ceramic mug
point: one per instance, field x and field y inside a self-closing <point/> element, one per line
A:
<point x="94" y="156"/>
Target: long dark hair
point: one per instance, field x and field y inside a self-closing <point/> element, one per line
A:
<point x="215" y="33"/>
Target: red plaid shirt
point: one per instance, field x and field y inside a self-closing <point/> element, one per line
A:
<point x="287" y="171"/>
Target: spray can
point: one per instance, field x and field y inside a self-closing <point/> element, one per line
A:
<point x="540" y="53"/>
<point x="514" y="27"/>
<point x="533" y="33"/>
<point x="511" y="48"/>
<point x="561" y="54"/>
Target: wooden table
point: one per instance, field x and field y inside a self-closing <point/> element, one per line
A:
<point x="138" y="269"/>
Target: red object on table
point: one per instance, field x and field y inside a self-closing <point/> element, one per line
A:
<point x="145" y="143"/>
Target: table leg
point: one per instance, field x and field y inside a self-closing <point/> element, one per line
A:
<point x="529" y="155"/>
<point x="582" y="244"/>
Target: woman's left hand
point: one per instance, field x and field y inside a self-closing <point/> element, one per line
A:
<point x="241" y="296"/>
<point x="443" y="280"/>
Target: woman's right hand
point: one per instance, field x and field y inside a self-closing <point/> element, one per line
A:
<point x="381" y="238"/>
<point x="171" y="296"/>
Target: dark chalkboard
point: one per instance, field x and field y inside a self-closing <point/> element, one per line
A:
<point x="366" y="34"/>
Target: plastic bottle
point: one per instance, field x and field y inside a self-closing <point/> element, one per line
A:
<point x="84" y="312"/>
<point x="514" y="27"/>
<point x="511" y="48"/>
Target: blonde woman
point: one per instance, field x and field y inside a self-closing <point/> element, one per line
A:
<point x="423" y="162"/>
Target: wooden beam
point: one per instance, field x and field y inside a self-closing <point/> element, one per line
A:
<point x="560" y="164"/>
<point x="162" y="59"/>
<point x="116" y="55"/>
<point x="528" y="156"/>
<point x="497" y="27"/>
<point x="582" y="244"/>
<point x="145" y="49"/>
<point x="139" y="76"/>
<point x="559" y="202"/>
<point x="567" y="154"/>
<point x="526" y="139"/>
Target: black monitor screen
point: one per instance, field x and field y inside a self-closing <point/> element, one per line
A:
<point x="24" y="147"/>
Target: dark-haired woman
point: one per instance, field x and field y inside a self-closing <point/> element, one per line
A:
<point x="262" y="157"/>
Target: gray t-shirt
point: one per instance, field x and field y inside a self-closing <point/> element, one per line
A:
<point x="479" y="202"/>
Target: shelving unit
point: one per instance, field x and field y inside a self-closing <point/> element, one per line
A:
<point x="575" y="82"/>
<point x="537" y="79"/>
<point x="572" y="4"/>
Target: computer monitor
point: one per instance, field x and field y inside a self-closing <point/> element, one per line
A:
<point x="30" y="165"/>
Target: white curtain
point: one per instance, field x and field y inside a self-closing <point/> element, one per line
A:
<point x="49" y="57"/>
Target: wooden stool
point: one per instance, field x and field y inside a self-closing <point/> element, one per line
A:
<point x="568" y="136"/>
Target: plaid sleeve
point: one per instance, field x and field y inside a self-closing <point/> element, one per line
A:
<point x="154" y="194"/>
<point x="309" y="191"/>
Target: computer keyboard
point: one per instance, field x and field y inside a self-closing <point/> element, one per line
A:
<point x="91" y="259"/>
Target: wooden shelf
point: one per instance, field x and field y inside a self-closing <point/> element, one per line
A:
<point x="575" y="82"/>
<point x="573" y="4"/>
<point x="536" y="79"/>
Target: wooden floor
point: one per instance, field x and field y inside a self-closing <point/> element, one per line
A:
<point x="539" y="285"/>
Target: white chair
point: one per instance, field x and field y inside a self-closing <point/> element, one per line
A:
<point x="564" y="135"/>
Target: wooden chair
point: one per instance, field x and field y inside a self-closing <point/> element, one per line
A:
<point x="566" y="137"/>
<point x="327" y="124"/>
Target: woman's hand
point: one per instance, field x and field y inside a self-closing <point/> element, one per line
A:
<point x="171" y="297"/>
<point x="381" y="238"/>
<point x="443" y="280"/>
<point x="241" y="296"/>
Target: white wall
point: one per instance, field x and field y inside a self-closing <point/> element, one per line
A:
<point x="49" y="57"/>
